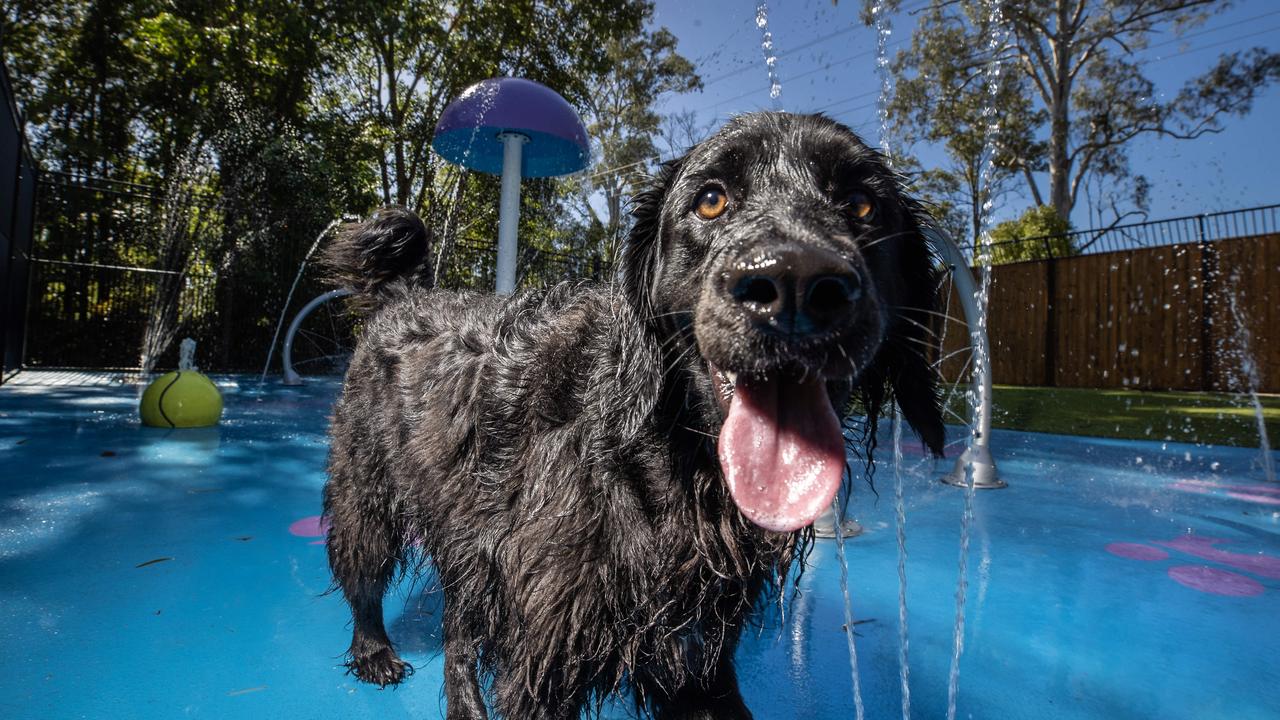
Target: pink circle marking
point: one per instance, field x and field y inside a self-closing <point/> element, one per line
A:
<point x="1134" y="551"/>
<point x="1255" y="498"/>
<point x="1215" y="581"/>
<point x="313" y="526"/>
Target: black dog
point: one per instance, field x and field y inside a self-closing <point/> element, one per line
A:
<point x="608" y="480"/>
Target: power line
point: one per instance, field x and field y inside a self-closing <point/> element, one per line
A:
<point x="744" y="67"/>
<point x="1219" y="28"/>
<point x="837" y="103"/>
<point x="1210" y="46"/>
<point x="865" y="53"/>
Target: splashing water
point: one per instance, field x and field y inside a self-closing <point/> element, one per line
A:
<point x="770" y="57"/>
<point x="883" y="30"/>
<point x="289" y="298"/>
<point x="858" y="709"/>
<point x="449" y="232"/>
<point x="997" y="36"/>
<point x="900" y="516"/>
<point x="187" y="355"/>
<point x="1249" y="374"/>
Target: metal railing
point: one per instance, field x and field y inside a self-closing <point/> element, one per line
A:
<point x="471" y="264"/>
<point x="1206" y="227"/>
<point x="88" y="315"/>
<point x="18" y="176"/>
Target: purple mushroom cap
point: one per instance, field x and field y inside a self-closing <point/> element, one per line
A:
<point x="467" y="133"/>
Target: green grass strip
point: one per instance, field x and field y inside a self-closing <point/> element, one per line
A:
<point x="1191" y="417"/>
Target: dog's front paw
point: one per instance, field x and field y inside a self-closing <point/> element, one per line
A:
<point x="381" y="667"/>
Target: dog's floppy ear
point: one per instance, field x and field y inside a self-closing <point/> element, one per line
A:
<point x="903" y="363"/>
<point x="641" y="260"/>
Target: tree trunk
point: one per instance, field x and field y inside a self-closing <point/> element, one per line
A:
<point x="1060" y="116"/>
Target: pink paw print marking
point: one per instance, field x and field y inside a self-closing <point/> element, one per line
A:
<point x="317" y="526"/>
<point x="1256" y="493"/>
<point x="1206" y="579"/>
<point x="311" y="526"/>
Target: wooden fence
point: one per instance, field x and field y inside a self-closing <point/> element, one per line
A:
<point x="1176" y="317"/>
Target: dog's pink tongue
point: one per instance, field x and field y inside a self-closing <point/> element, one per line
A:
<point x="782" y="452"/>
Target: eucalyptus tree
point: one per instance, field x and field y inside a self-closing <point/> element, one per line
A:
<point x="1081" y="65"/>
<point x="402" y="61"/>
<point x="982" y="119"/>
<point x="624" y="123"/>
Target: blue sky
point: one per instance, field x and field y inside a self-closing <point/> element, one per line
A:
<point x="826" y="61"/>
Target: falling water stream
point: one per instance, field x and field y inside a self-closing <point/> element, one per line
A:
<point x="859" y="711"/>
<point x="996" y="38"/>
<point x="289" y="298"/>
<point x="900" y="517"/>
<point x="1250" y="378"/>
<point x="490" y="96"/>
<point x="884" y="29"/>
<point x="770" y="55"/>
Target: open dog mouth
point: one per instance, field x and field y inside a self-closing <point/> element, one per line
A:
<point x="780" y="448"/>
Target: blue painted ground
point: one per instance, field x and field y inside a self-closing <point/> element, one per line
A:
<point x="154" y="574"/>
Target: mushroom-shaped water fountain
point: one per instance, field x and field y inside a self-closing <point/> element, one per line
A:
<point x="516" y="128"/>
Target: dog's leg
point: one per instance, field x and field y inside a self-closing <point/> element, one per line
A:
<point x="461" y="682"/>
<point x="718" y="699"/>
<point x="551" y="699"/>
<point x="364" y="551"/>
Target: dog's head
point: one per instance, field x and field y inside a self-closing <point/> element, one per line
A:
<point x="784" y="250"/>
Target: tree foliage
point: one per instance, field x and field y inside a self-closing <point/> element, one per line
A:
<point x="303" y="111"/>
<point x="1039" y="233"/>
<point x="624" y="123"/>
<point x="981" y="119"/>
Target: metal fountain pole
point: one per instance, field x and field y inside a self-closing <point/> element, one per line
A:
<point x="978" y="454"/>
<point x="517" y="128"/>
<point x="509" y="210"/>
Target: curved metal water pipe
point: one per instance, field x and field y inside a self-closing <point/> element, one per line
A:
<point x="296" y="279"/>
<point x="976" y="458"/>
<point x="291" y="376"/>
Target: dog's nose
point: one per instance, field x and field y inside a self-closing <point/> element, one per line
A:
<point x="794" y="290"/>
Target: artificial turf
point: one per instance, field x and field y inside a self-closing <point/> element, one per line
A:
<point x="1194" y="417"/>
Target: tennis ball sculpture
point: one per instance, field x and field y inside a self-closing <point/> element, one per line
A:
<point x="183" y="398"/>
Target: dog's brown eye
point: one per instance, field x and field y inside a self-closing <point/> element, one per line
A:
<point x="861" y="206"/>
<point x="711" y="203"/>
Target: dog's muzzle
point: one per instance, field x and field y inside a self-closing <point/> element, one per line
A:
<point x="794" y="290"/>
<point x="780" y="446"/>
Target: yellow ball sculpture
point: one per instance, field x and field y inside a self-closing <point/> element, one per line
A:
<point x="183" y="398"/>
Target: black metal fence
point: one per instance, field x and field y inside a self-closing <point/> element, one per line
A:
<point x="17" y="210"/>
<point x="471" y="264"/>
<point x="94" y="285"/>
<point x="95" y="315"/>
<point x="1206" y="227"/>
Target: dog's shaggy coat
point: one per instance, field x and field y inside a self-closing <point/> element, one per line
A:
<point x="554" y="454"/>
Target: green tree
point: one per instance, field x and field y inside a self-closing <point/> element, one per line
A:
<point x="300" y="110"/>
<point x="982" y="120"/>
<point x="623" y="121"/>
<point x="405" y="60"/>
<point x="1038" y="234"/>
<point x="1079" y="63"/>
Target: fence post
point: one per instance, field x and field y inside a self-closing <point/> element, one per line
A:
<point x="1051" y="316"/>
<point x="1208" y="271"/>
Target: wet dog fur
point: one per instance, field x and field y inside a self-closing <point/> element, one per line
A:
<point x="552" y="454"/>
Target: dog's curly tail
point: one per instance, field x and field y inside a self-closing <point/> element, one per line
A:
<point x="385" y="254"/>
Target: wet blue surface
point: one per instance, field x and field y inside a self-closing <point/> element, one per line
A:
<point x="154" y="574"/>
